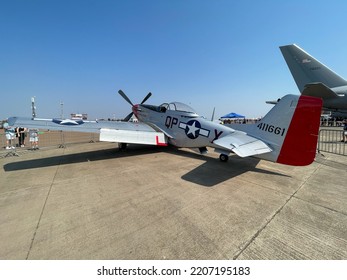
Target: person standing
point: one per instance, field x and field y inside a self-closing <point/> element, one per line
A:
<point x="21" y="131"/>
<point x="34" y="138"/>
<point x="10" y="136"/>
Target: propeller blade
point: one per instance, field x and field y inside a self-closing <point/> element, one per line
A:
<point x="147" y="96"/>
<point x="128" y="117"/>
<point x="125" y="97"/>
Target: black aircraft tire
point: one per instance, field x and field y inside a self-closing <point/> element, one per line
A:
<point x="122" y="146"/>
<point x="223" y="158"/>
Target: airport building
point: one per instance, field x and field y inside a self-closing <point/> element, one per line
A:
<point x="75" y="116"/>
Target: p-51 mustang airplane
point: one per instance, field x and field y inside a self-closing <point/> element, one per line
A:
<point x="287" y="134"/>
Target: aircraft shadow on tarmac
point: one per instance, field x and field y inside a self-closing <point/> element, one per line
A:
<point x="103" y="154"/>
<point x="208" y="174"/>
<point x="213" y="172"/>
<point x="330" y="163"/>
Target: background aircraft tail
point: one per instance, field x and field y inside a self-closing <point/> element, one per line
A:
<point x="306" y="69"/>
<point x="290" y="129"/>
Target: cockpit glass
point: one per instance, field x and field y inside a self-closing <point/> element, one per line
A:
<point x="174" y="106"/>
<point x="178" y="106"/>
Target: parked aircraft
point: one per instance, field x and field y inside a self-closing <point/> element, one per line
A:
<point x="315" y="79"/>
<point x="287" y="134"/>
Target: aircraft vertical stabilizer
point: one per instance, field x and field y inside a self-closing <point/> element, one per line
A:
<point x="290" y="129"/>
<point x="306" y="69"/>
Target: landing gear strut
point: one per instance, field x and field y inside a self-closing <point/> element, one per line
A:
<point x="223" y="158"/>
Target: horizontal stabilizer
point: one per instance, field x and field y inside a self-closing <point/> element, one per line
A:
<point x="242" y="144"/>
<point x="319" y="90"/>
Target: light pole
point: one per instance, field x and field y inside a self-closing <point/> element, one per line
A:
<point x="33" y="107"/>
<point x="62" y="110"/>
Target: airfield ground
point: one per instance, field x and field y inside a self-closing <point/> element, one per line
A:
<point x="91" y="201"/>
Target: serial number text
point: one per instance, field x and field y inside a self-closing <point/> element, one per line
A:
<point x="271" y="128"/>
<point x="214" y="270"/>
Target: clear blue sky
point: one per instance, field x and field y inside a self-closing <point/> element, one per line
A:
<point x="206" y="53"/>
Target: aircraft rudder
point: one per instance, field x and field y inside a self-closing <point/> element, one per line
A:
<point x="300" y="142"/>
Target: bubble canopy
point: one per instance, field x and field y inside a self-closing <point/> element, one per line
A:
<point x="173" y="106"/>
<point x="181" y="107"/>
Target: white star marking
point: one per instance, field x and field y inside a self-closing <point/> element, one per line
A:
<point x="192" y="129"/>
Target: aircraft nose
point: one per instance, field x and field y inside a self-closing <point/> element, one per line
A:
<point x="136" y="109"/>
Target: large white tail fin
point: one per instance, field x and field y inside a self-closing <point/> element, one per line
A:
<point x="290" y="129"/>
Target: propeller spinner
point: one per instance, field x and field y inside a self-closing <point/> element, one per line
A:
<point x="127" y="118"/>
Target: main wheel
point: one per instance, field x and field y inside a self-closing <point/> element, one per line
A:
<point x="122" y="146"/>
<point x="223" y="158"/>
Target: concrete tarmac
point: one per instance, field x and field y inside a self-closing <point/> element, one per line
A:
<point x="91" y="201"/>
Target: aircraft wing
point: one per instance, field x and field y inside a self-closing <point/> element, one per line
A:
<point x="242" y="144"/>
<point x="319" y="90"/>
<point x="121" y="132"/>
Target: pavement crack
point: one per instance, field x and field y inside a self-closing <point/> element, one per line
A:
<point x="322" y="206"/>
<point x="42" y="210"/>
<point x="243" y="248"/>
